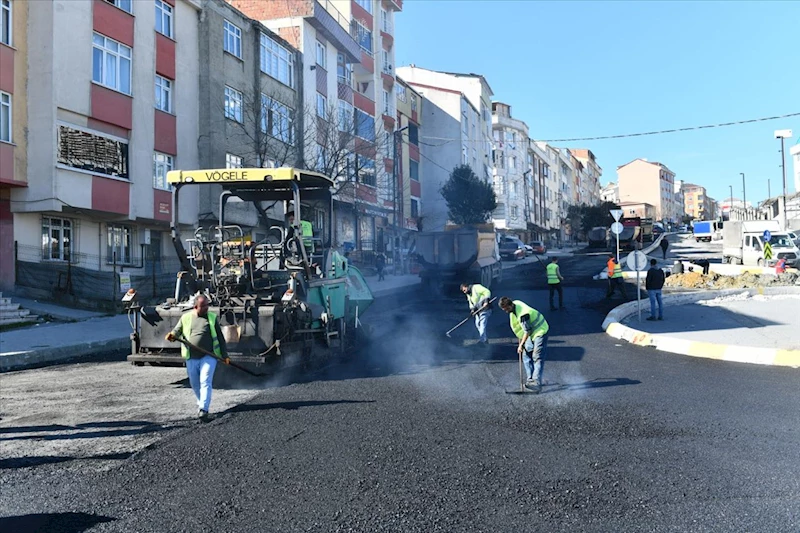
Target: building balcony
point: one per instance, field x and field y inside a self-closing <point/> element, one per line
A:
<point x="393" y="5"/>
<point x="335" y="27"/>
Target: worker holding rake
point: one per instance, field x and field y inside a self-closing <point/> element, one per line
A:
<point x="478" y="298"/>
<point x="531" y="329"/>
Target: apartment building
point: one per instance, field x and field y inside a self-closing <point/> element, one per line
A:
<point x="107" y="124"/>
<point x="643" y="181"/>
<point x="695" y="202"/>
<point x="409" y="160"/>
<point x="13" y="123"/>
<point x="610" y="193"/>
<point x="511" y="181"/>
<point x="356" y="37"/>
<point x="589" y="182"/>
<point x="251" y="104"/>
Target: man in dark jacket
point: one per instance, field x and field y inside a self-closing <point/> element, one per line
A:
<point x="664" y="246"/>
<point x="654" y="284"/>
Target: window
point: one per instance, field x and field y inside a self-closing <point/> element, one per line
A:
<point x="387" y="103"/>
<point x="276" y="61"/>
<point x="322" y="158"/>
<point x="346" y="117"/>
<point x="513" y="190"/>
<point x="164" y="18"/>
<point x="93" y="153"/>
<point x="5" y="117"/>
<point x="322" y="104"/>
<point x="366" y="170"/>
<point x="125" y="5"/>
<point x="162" y="163"/>
<point x="322" y="53"/>
<point x="111" y="64"/>
<point x="514" y="211"/>
<point x="365" y="126"/>
<point x="233" y="104"/>
<point x="464" y="155"/>
<point x="413" y="170"/>
<point x="363" y="36"/>
<point x="277" y="119"/>
<point x="385" y="60"/>
<point x="344" y="71"/>
<point x="163" y="94"/>
<point x="413" y="102"/>
<point x="5" y="22"/>
<point x="232" y="39"/>
<point x="386" y="27"/>
<point x="414" y="208"/>
<point x="120" y="239"/>
<point x="233" y="161"/>
<point x="512" y="162"/>
<point x="400" y="92"/>
<point x="366" y="4"/>
<point x="56" y="239"/>
<point x="413" y="134"/>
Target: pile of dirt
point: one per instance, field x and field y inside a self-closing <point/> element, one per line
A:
<point x="747" y="280"/>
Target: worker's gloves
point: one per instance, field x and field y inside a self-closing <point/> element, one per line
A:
<point x="473" y="310"/>
<point x="170" y="337"/>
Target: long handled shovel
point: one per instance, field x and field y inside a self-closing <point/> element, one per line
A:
<point x="470" y="316"/>
<point x="234" y="365"/>
<point x="522" y="389"/>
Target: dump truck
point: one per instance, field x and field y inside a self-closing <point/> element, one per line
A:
<point x="459" y="254"/>
<point x="744" y="243"/>
<point x="283" y="299"/>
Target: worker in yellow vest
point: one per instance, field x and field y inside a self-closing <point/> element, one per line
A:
<point x="554" y="279"/>
<point x="478" y="298"/>
<point x="615" y="280"/>
<point x="531" y="329"/>
<point x="200" y="328"/>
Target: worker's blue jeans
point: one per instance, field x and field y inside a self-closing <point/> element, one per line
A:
<point x="533" y="357"/>
<point x="655" y="296"/>
<point x="481" y="321"/>
<point x="201" y="374"/>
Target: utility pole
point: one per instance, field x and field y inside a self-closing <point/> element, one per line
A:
<point x="396" y="138"/>
<point x="783" y="134"/>
<point x="744" y="195"/>
<point x="730" y="204"/>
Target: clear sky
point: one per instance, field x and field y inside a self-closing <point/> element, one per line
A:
<point x="586" y="69"/>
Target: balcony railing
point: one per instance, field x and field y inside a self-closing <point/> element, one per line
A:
<point x="343" y="21"/>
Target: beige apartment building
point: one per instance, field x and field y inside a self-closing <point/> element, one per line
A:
<point x="643" y="181"/>
<point x="695" y="202"/>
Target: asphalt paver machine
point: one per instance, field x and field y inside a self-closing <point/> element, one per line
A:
<point x="285" y="298"/>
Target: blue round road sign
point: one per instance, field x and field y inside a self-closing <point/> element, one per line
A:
<point x="767" y="235"/>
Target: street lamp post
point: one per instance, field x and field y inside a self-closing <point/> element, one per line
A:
<point x="744" y="194"/>
<point x="783" y="134"/>
<point x="730" y="203"/>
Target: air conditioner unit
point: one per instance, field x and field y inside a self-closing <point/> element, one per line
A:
<point x="389" y="68"/>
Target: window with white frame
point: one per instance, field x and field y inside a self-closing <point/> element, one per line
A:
<point x="164" y="18"/>
<point x="385" y="60"/>
<point x="400" y="92"/>
<point x="163" y="94"/>
<point x="387" y="103"/>
<point x="322" y="55"/>
<point x="514" y="211"/>
<point x="233" y="104"/>
<point x="346" y="117"/>
<point x="322" y="105"/>
<point x="322" y="158"/>
<point x="413" y="102"/>
<point x="120" y="244"/>
<point x="232" y="39"/>
<point x="111" y="64"/>
<point x="365" y="126"/>
<point x="277" y="119"/>
<point x="363" y="36"/>
<point x="413" y="170"/>
<point x="366" y="4"/>
<point x="386" y="26"/>
<point x="6" y="22"/>
<point x="513" y="189"/>
<point x="162" y="163"/>
<point x="233" y="161"/>
<point x="512" y="162"/>
<point x="414" y="208"/>
<point x="5" y="117"/>
<point x="57" y="239"/>
<point x="125" y="5"/>
<point x="277" y="61"/>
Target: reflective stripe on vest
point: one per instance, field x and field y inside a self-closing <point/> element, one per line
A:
<point x="186" y="325"/>
<point x="617" y="271"/>
<point x="540" y="325"/>
<point x="478" y="293"/>
<point x="552" y="276"/>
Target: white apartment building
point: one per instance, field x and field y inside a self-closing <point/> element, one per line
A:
<point x="113" y="105"/>
<point x="610" y="193"/>
<point x="590" y="176"/>
<point x="510" y="180"/>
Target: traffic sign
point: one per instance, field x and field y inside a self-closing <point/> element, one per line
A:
<point x="616" y="213"/>
<point x="767" y="235"/>
<point x="767" y="250"/>
<point x="616" y="228"/>
<point x="637" y="261"/>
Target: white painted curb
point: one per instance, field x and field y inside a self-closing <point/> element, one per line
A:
<point x="739" y="354"/>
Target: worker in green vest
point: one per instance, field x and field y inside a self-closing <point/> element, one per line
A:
<point x="554" y="280"/>
<point x="615" y="280"/>
<point x="306" y="232"/>
<point x="531" y="329"/>
<point x="201" y="328"/>
<point x="478" y="298"/>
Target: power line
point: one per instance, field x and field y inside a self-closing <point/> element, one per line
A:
<point x="620" y="136"/>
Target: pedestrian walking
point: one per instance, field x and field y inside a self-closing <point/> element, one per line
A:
<point x="654" y="283"/>
<point x="478" y="298"/>
<point x="554" y="279"/>
<point x="531" y="329"/>
<point x="615" y="279"/>
<point x="380" y="264"/>
<point x="664" y="245"/>
<point x="200" y="328"/>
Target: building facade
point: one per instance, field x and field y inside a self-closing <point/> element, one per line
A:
<point x="695" y="202"/>
<point x="590" y="176"/>
<point x="610" y="193"/>
<point x="106" y="126"/>
<point x="794" y="151"/>
<point x="512" y="180"/>
<point x="642" y="181"/>
<point x="409" y="161"/>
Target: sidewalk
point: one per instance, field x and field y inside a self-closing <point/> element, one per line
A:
<point x="740" y="325"/>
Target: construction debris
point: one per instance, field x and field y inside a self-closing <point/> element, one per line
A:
<point x="747" y="280"/>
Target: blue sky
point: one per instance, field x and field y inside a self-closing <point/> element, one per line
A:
<point x="586" y="69"/>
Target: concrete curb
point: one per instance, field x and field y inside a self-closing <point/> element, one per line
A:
<point x="723" y="352"/>
<point x="32" y="358"/>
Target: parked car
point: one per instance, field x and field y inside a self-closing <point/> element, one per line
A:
<point x="538" y="247"/>
<point x="512" y="248"/>
<point x="528" y="249"/>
